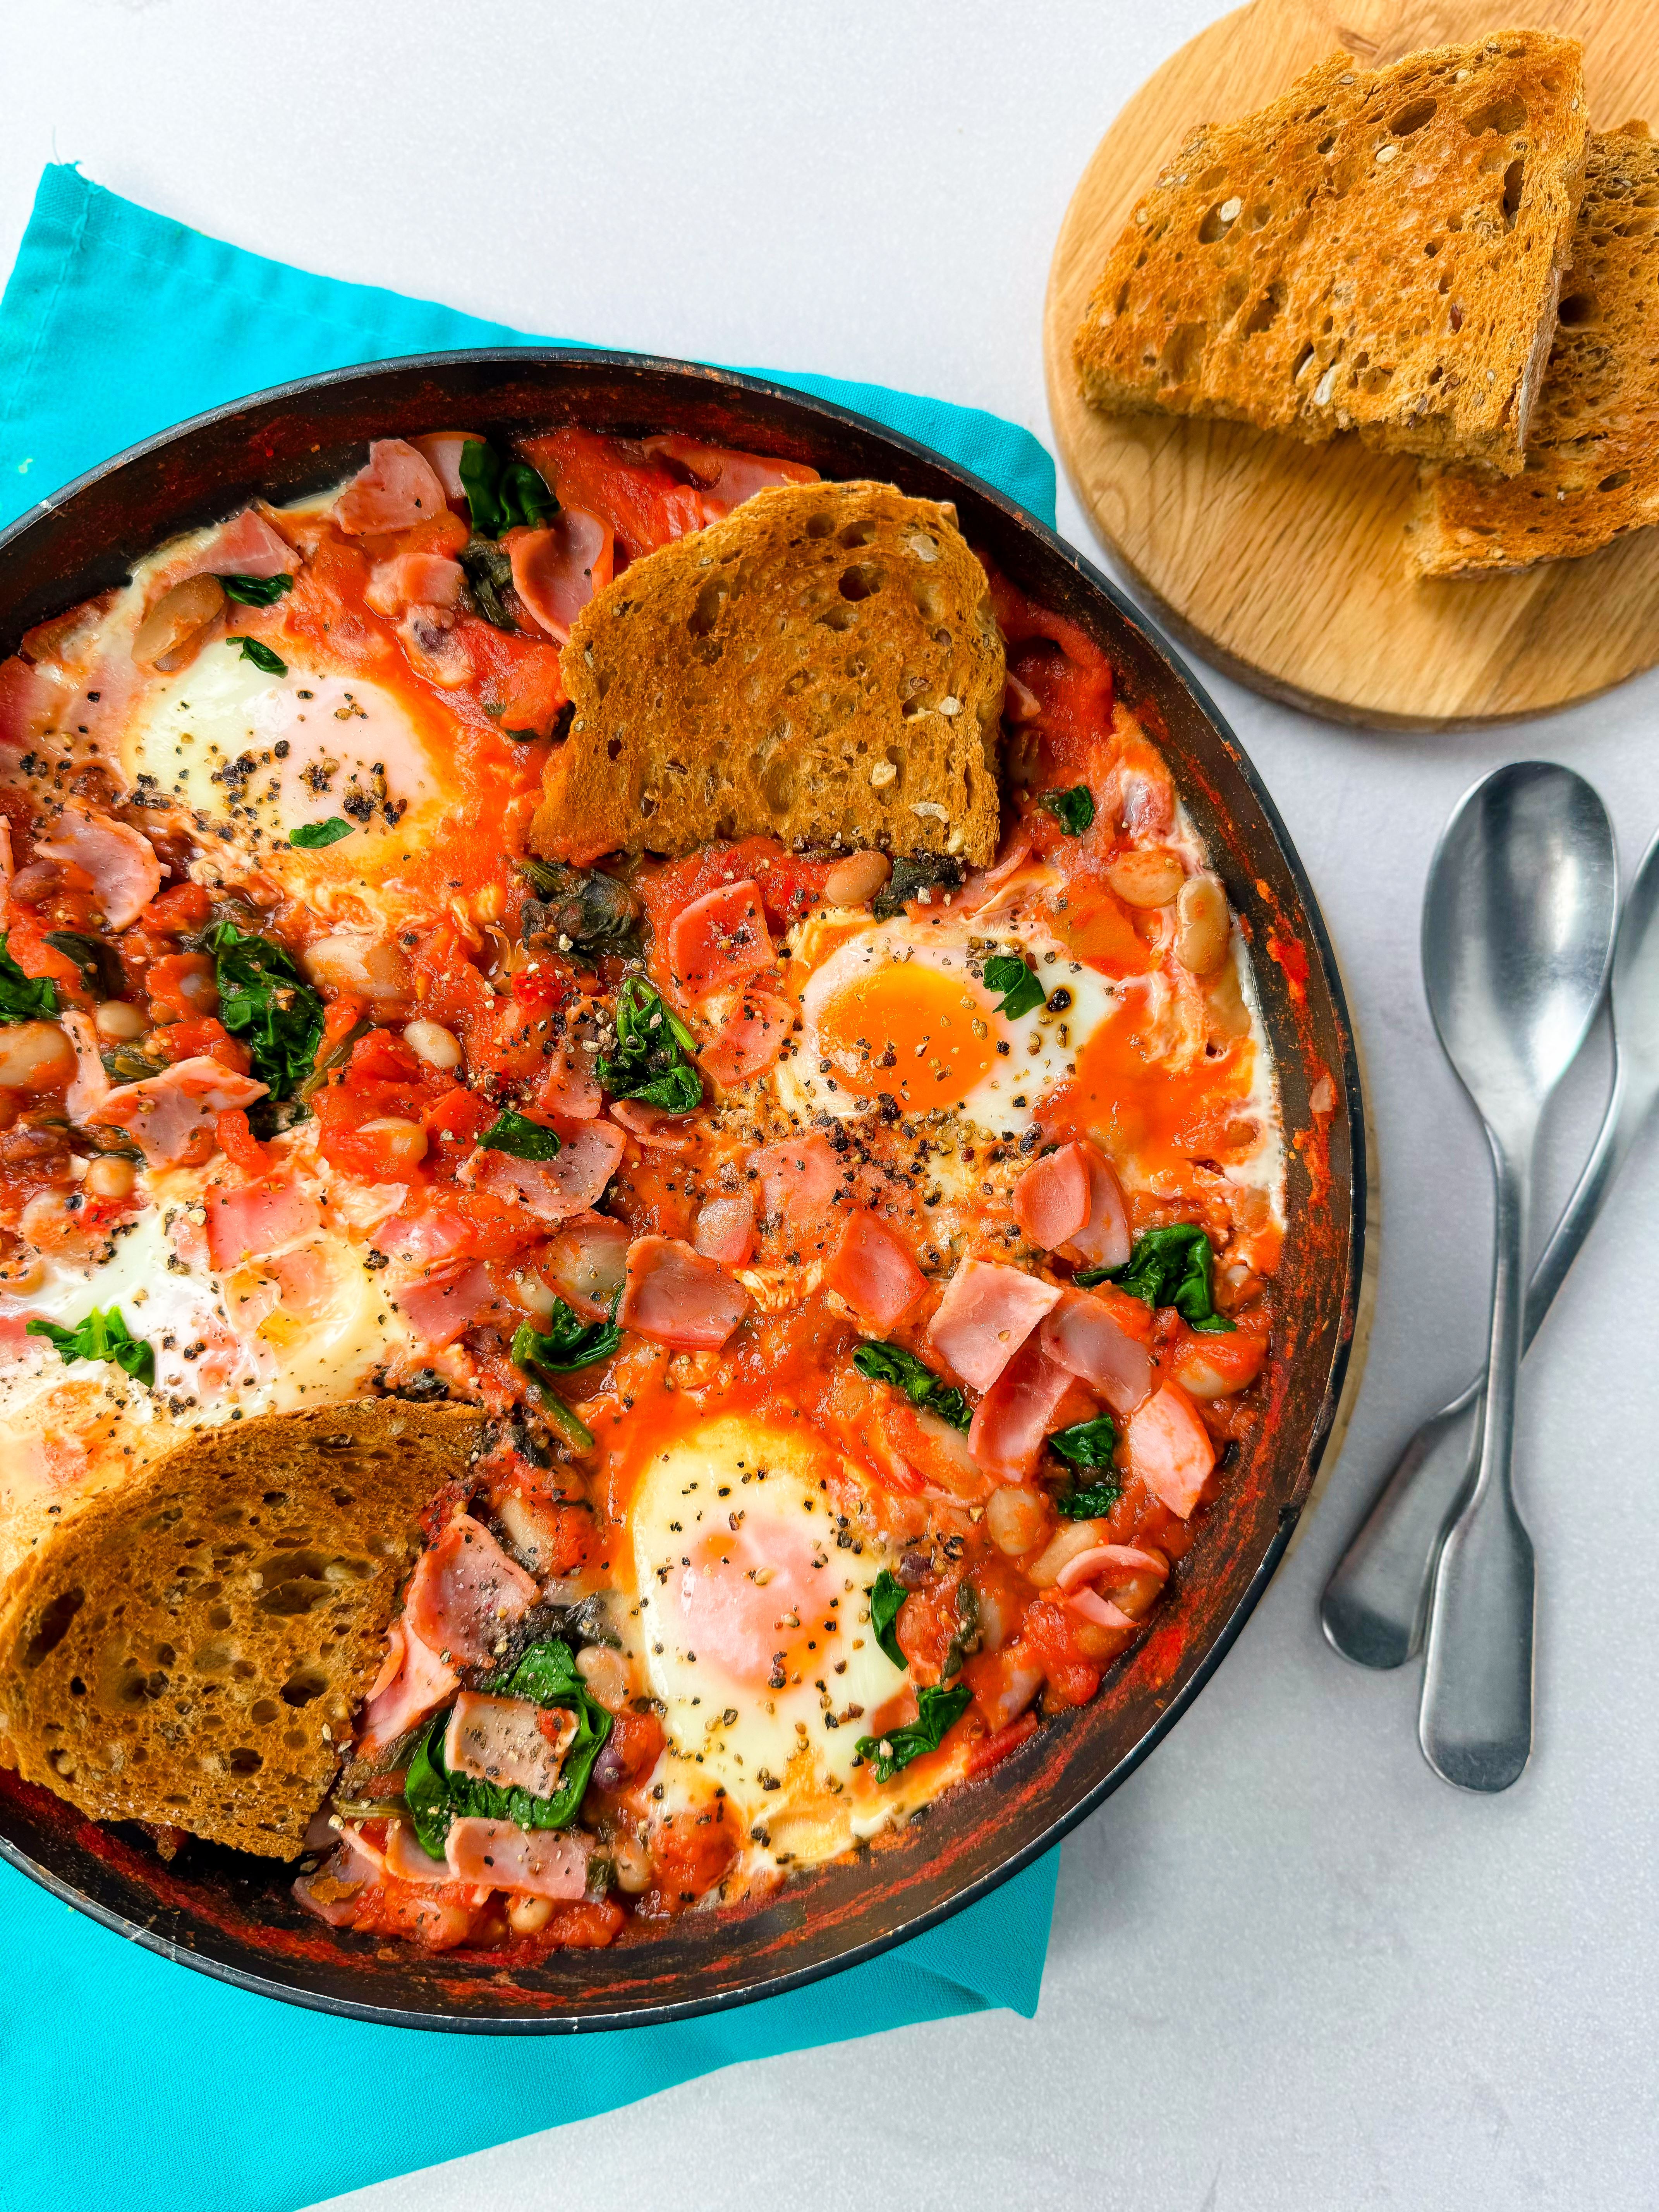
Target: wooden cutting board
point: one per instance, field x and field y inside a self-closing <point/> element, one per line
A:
<point x="1283" y="563"/>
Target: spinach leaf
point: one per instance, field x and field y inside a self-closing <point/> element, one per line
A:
<point x="1093" y="1503"/>
<point x="1174" y="1266"/>
<point x="256" y="591"/>
<point x="99" y="965"/>
<point x="1086" y="1444"/>
<point x="24" y="998"/>
<point x="489" y="573"/>
<point x="887" y="1594"/>
<point x="568" y="1342"/>
<point x="260" y="655"/>
<point x="546" y="1676"/>
<point x="650" y="1060"/>
<point x="526" y="1357"/>
<point x="1074" y="810"/>
<point x="503" y="494"/>
<point x="100" y="1336"/>
<point x="525" y="1139"/>
<point x="311" y="835"/>
<point x="1006" y="972"/>
<point x="891" y="1363"/>
<point x="583" y="910"/>
<point x="263" y="998"/>
<point x="913" y="873"/>
<point x="936" y="1710"/>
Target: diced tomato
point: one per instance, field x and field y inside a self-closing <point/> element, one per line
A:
<point x="587" y="1925"/>
<point x="180" y="987"/>
<point x="637" y="1740"/>
<point x="789" y="886"/>
<point x="203" y="1036"/>
<point x="645" y="504"/>
<point x="692" y="1851"/>
<point x="1046" y="1638"/>
<point x="186" y="906"/>
<point x="517" y="679"/>
<point x="238" y="1142"/>
<point x="1072" y="679"/>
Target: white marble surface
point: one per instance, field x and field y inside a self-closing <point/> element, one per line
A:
<point x="1290" y="1968"/>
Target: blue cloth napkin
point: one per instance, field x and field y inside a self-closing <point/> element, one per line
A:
<point x="122" y="2075"/>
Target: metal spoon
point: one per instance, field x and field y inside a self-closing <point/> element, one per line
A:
<point x="1517" y="934"/>
<point x="1376" y="1600"/>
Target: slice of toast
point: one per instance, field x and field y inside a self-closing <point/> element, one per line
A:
<point x="822" y="666"/>
<point x="1592" y="468"/>
<point x="190" y="1647"/>
<point x="1378" y="250"/>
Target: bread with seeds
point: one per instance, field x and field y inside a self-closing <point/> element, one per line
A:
<point x="822" y="666"/>
<point x="1592" y="467"/>
<point x="1378" y="250"/>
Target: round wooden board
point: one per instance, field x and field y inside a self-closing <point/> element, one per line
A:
<point x="1283" y="564"/>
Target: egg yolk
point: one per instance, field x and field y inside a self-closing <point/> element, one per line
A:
<point x="747" y="1599"/>
<point x="908" y="1030"/>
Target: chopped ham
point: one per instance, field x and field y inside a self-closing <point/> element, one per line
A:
<point x="170" y="1117"/>
<point x="1170" y="1449"/>
<point x="121" y="862"/>
<point x="586" y="1260"/>
<point x="448" y="1301"/>
<point x="1016" y="1412"/>
<point x="557" y="571"/>
<point x="397" y="488"/>
<point x="406" y="1862"/>
<point x="91" y="1085"/>
<point x="246" y="545"/>
<point x="535" y="1862"/>
<point x="798" y="1179"/>
<point x="1085" y="1336"/>
<point x="431" y="580"/>
<point x="718" y="939"/>
<point x="568" y="1084"/>
<point x="1121" y="1559"/>
<point x="553" y="1189"/>
<point x="724" y="1230"/>
<point x="874" y="1271"/>
<point x="1051" y="1199"/>
<point x="258" y="1218"/>
<point x="443" y="448"/>
<point x="465" y="1592"/>
<point x="986" y="1314"/>
<point x="502" y="1740"/>
<point x="418" y="1683"/>
<point x="7" y="868"/>
<point x="726" y="477"/>
<point x="675" y="1296"/>
<point x="981" y="885"/>
<point x="749" y="1039"/>
<point x="332" y="1891"/>
<point x="651" y="1125"/>
<point x="1103" y="1240"/>
<point x="1100" y="1610"/>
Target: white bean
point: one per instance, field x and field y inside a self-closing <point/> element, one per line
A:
<point x="178" y="617"/>
<point x="120" y="1022"/>
<point x="1017" y="1518"/>
<point x="853" y="881"/>
<point x="367" y="966"/>
<point x="528" y="1915"/>
<point x="401" y="1143"/>
<point x="432" y="1042"/>
<point x="633" y="1864"/>
<point x="1203" y="927"/>
<point x="1148" y="879"/>
<point x="111" y="1177"/>
<point x="34" y="1056"/>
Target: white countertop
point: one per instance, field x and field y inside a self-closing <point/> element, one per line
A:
<point x="1290" y="1968"/>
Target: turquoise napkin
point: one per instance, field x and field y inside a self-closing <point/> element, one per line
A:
<point x="122" y="2075"/>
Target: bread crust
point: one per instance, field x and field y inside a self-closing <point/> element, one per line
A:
<point x="822" y="666"/>
<point x="1377" y="251"/>
<point x="191" y="1647"/>
<point x="1592" y="463"/>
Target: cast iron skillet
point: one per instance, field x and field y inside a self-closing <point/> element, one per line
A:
<point x="231" y="1916"/>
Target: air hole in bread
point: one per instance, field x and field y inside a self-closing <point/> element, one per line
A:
<point x="1503" y="116"/>
<point x="1413" y="117"/>
<point x="263" y="1712"/>
<point x="244" y="1761"/>
<point x="837" y="618"/>
<point x="861" y="581"/>
<point x="54" y="1625"/>
<point x="856" y="534"/>
<point x="1266" y="312"/>
<point x="820" y="525"/>
<point x="710" y="604"/>
<point x="1620" y="477"/>
<point x="1183" y="349"/>
<point x="1577" y="309"/>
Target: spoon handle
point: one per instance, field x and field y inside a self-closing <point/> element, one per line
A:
<point x="1376" y="1601"/>
<point x="1475" y="1721"/>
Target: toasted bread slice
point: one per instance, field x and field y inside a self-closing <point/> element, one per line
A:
<point x="1377" y="251"/>
<point x="822" y="666"/>
<point x="189" y="1649"/>
<point x="1592" y="468"/>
